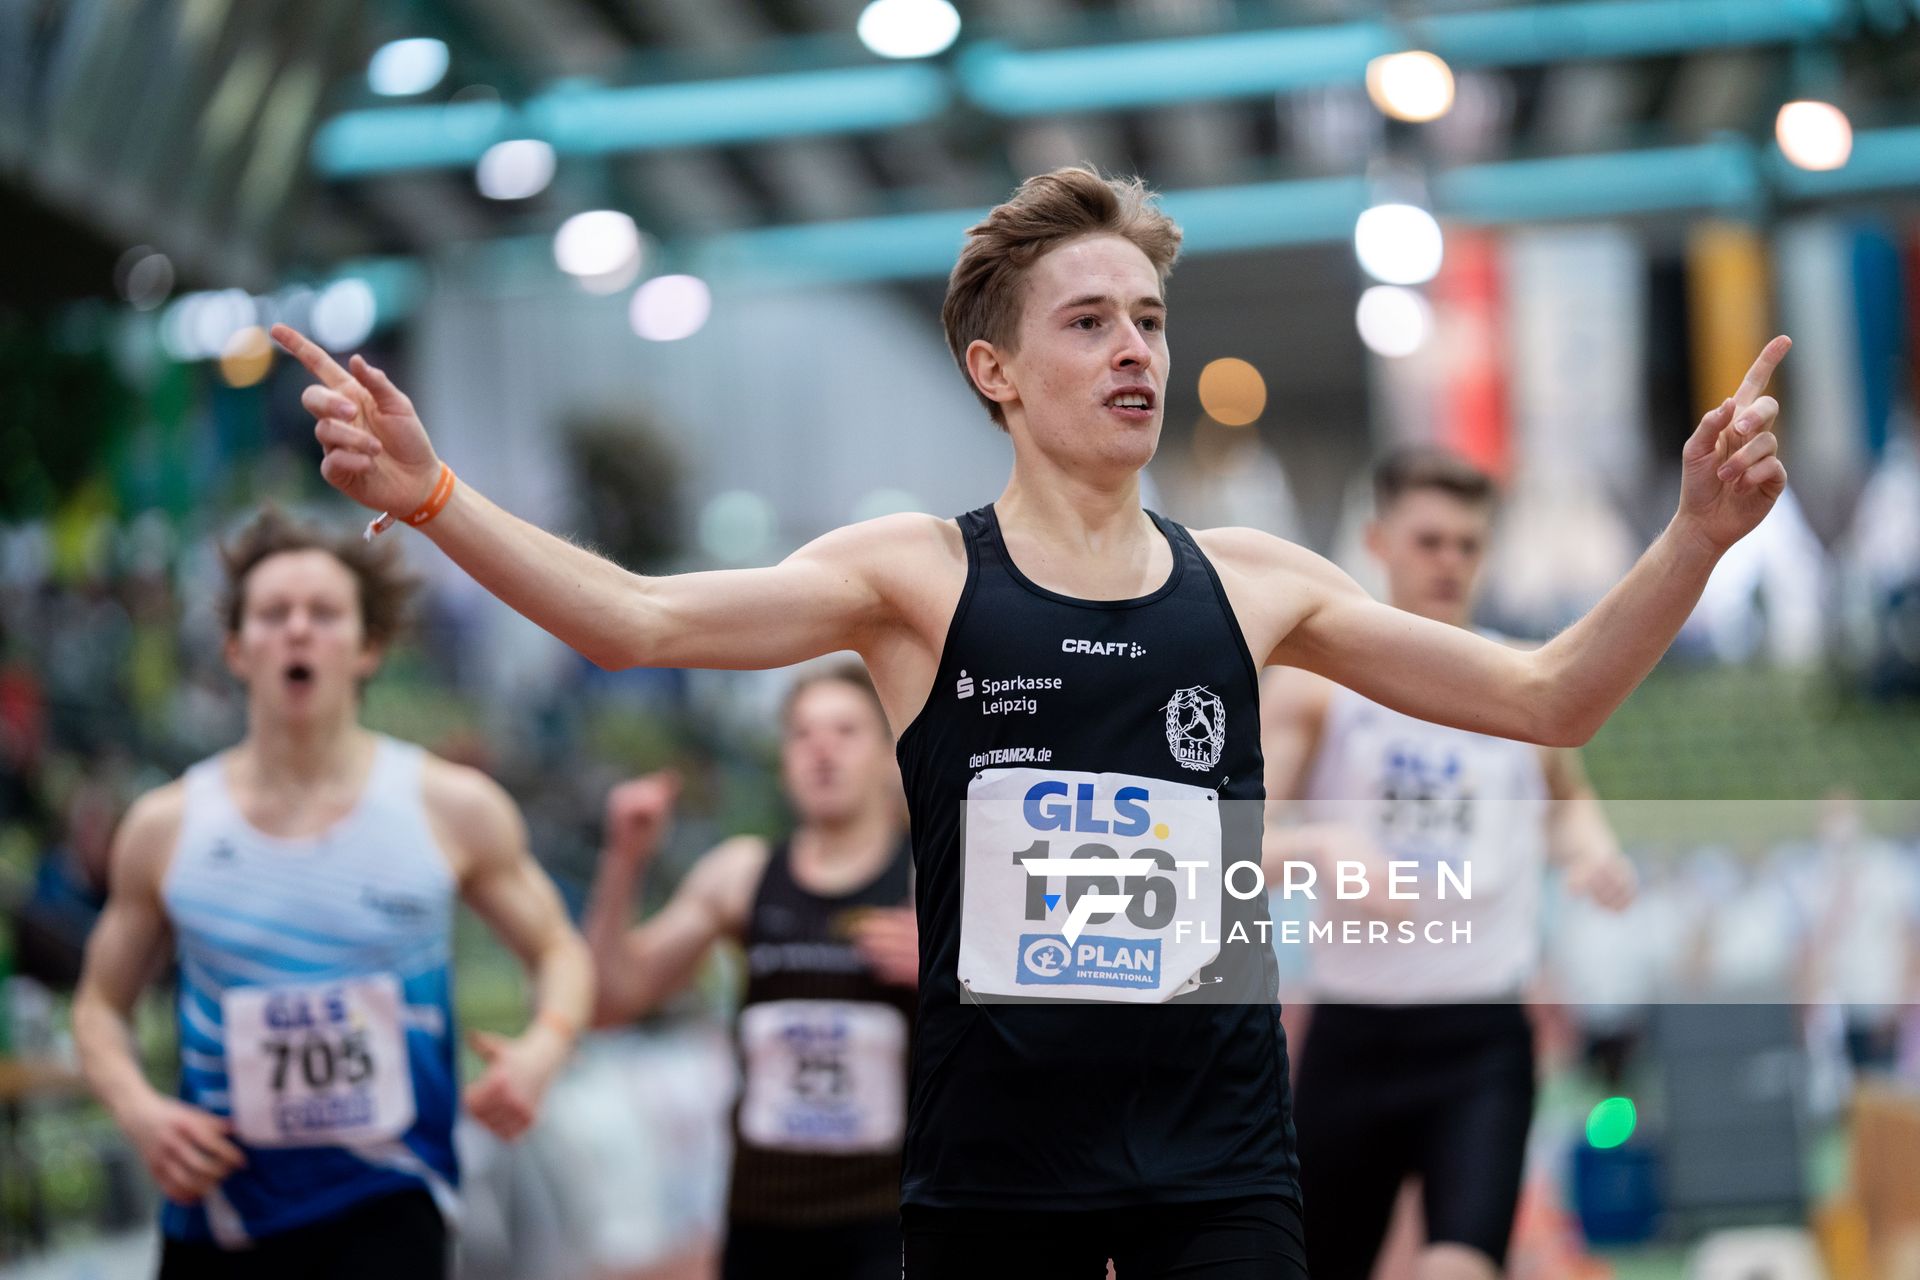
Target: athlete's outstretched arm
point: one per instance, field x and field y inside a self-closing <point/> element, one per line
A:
<point x="821" y="599"/>
<point x="1562" y="692"/>
<point x="507" y="889"/>
<point x="187" y="1150"/>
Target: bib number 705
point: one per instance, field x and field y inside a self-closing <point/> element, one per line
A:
<point x="319" y="1061"/>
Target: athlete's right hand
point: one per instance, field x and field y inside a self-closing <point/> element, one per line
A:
<point x="638" y="812"/>
<point x="376" y="450"/>
<point x="187" y="1150"/>
<point x="1609" y="881"/>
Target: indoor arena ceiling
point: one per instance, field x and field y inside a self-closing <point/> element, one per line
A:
<point x="242" y="137"/>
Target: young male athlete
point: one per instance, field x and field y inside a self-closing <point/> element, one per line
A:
<point x="305" y="881"/>
<point x="823" y="1025"/>
<point x="1076" y="678"/>
<point x="1419" y="1057"/>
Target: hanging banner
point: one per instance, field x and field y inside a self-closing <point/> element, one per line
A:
<point x="1878" y="307"/>
<point x="1467" y="301"/>
<point x="1578" y="337"/>
<point x="1728" y="306"/>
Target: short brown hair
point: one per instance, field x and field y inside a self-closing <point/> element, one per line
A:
<point x="386" y="590"/>
<point x="983" y="293"/>
<point x="1417" y="467"/>
<point x="847" y="672"/>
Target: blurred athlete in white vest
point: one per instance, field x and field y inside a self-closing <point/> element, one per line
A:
<point x="305" y="881"/>
<point x="1418" y="1056"/>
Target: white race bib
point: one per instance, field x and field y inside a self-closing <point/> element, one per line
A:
<point x="1028" y="934"/>
<point x="1445" y="799"/>
<point x="824" y="1075"/>
<point x="318" y="1065"/>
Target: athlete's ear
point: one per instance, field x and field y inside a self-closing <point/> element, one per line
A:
<point x="371" y="655"/>
<point x="987" y="366"/>
<point x="230" y="650"/>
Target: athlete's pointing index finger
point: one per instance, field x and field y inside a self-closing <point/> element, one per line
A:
<point x="1762" y="371"/>
<point x="309" y="353"/>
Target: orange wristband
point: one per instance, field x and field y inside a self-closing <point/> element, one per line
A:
<point x="436" y="502"/>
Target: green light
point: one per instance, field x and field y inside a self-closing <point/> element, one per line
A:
<point x="1610" y="1123"/>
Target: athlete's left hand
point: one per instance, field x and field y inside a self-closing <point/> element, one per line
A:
<point x="889" y="941"/>
<point x="1610" y="882"/>
<point x="506" y="1098"/>
<point x="1731" y="473"/>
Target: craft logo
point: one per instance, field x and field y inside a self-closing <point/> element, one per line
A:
<point x="1196" y="728"/>
<point x="1113" y="648"/>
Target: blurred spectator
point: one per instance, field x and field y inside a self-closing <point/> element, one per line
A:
<point x="1868" y="917"/>
<point x="1881" y="556"/>
<point x="1751" y="929"/>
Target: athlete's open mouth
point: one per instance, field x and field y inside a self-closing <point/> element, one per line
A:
<point x="1131" y="398"/>
<point x="300" y="674"/>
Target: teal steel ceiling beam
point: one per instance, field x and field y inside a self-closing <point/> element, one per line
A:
<point x="584" y="120"/>
<point x="593" y="119"/>
<point x="1727" y="175"/>
<point x="1145" y="73"/>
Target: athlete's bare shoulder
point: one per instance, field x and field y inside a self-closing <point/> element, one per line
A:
<point x="143" y="844"/>
<point x="474" y="816"/>
<point x="1240" y="550"/>
<point x="445" y="786"/>
<point x="903" y="554"/>
<point x="915" y="567"/>
<point x="1270" y="582"/>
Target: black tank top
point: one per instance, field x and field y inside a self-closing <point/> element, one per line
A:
<point x="823" y="1055"/>
<point x="1087" y="1106"/>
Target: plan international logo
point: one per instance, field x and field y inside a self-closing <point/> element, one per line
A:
<point x="1048" y="960"/>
